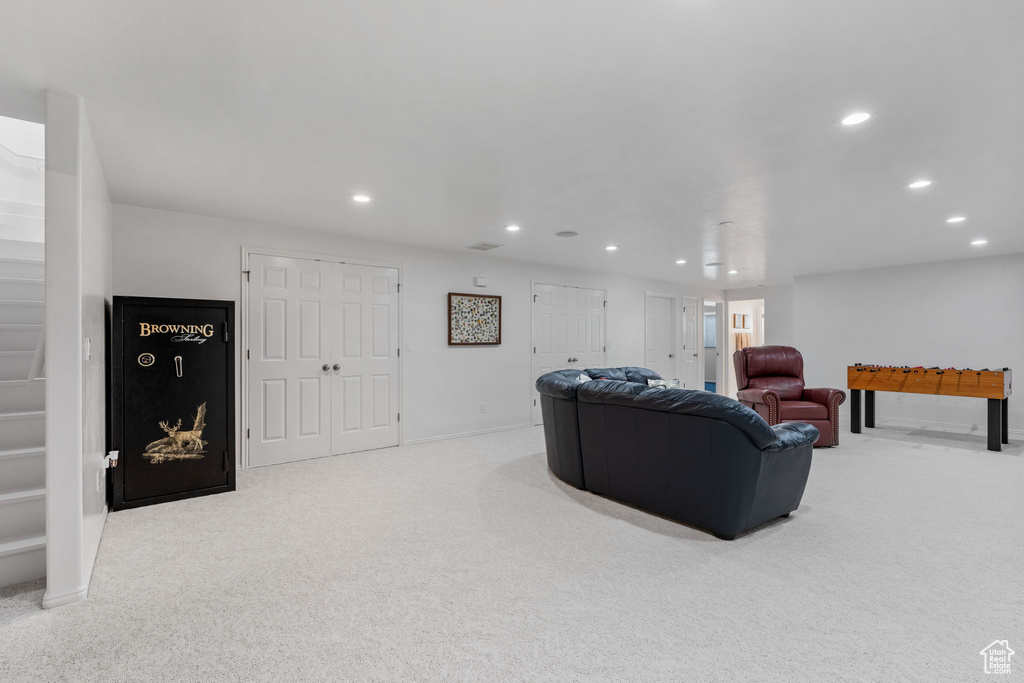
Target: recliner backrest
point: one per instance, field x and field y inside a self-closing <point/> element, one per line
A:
<point x="779" y="368"/>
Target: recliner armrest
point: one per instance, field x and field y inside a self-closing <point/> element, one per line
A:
<point x="762" y="396"/>
<point x="830" y="398"/>
<point x="790" y="435"/>
<point x="765" y="397"/>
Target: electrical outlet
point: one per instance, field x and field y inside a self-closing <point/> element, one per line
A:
<point x="483" y="407"/>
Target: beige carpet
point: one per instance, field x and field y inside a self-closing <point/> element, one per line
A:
<point x="465" y="560"/>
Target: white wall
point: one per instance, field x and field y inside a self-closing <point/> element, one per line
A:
<point x="161" y="253"/>
<point x="77" y="291"/>
<point x="959" y="313"/>
<point x="21" y="180"/>
<point x="778" y="311"/>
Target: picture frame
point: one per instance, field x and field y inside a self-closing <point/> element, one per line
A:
<point x="474" y="319"/>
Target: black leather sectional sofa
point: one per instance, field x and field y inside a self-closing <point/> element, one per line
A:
<point x="692" y="456"/>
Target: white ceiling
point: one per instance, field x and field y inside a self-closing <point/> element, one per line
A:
<point x="642" y="123"/>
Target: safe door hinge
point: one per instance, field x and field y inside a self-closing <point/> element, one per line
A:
<point x="227" y="335"/>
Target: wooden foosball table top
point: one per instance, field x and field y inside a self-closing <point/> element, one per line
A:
<point x="940" y="381"/>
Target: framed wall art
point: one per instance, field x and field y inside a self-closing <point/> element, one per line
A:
<point x="474" y="320"/>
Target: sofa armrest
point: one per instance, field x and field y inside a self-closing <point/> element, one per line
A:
<point x="765" y="397"/>
<point x="830" y="398"/>
<point x="790" y="435"/>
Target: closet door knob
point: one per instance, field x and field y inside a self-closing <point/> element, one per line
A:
<point x="337" y="367"/>
<point x="326" y="367"/>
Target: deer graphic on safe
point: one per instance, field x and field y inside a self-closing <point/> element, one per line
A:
<point x="179" y="445"/>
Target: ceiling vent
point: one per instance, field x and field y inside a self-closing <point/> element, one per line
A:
<point x="484" y="246"/>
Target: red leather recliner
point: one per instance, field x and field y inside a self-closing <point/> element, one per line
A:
<point x="770" y="380"/>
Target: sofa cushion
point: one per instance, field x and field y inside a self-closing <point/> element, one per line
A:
<point x="707" y="404"/>
<point x="607" y="373"/>
<point x="802" y="410"/>
<point x="610" y="392"/>
<point x="685" y="401"/>
<point x="639" y="375"/>
<point x="559" y="384"/>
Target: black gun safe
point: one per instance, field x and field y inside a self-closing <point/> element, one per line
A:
<point x="172" y="399"/>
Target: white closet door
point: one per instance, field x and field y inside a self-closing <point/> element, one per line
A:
<point x="568" y="331"/>
<point x="289" y="392"/>
<point x="693" y="377"/>
<point x="660" y="335"/>
<point x="364" y="411"/>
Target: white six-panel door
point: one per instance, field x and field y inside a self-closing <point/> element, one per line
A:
<point x="289" y="342"/>
<point x="364" y="403"/>
<point x="693" y="375"/>
<point x="568" y="331"/>
<point x="323" y="358"/>
<point x="660" y="336"/>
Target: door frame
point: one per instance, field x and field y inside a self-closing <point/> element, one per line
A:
<point x="676" y="329"/>
<point x="243" y="336"/>
<point x="720" y="332"/>
<point x="533" y="333"/>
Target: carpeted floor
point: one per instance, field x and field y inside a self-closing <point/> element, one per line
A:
<point x="466" y="560"/>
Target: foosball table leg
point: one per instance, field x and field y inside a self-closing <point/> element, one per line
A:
<point x="995" y="424"/>
<point x="869" y="408"/>
<point x="1006" y="422"/>
<point x="855" y="411"/>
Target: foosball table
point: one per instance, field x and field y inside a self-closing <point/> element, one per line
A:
<point x="994" y="385"/>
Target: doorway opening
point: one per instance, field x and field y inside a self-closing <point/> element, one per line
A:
<point x="713" y="345"/>
<point x="746" y="328"/>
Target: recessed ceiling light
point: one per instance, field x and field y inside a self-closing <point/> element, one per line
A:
<point x="361" y="198"/>
<point x="512" y="228"/>
<point x="566" y="233"/>
<point x="611" y="247"/>
<point x="978" y="243"/>
<point x="855" y="118"/>
<point x="733" y="272"/>
<point x="956" y="219"/>
<point x="681" y="261"/>
<point x="918" y="184"/>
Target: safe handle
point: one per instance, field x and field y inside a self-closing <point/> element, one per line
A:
<point x="178" y="365"/>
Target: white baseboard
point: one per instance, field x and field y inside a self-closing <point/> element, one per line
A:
<point x="945" y="426"/>
<point x="409" y="442"/>
<point x="51" y="601"/>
